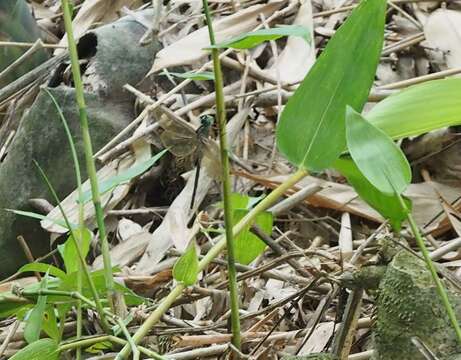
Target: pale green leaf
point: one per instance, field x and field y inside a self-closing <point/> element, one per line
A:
<point x="69" y="252"/>
<point x="254" y="38"/>
<point x="186" y="268"/>
<point x="43" y="349"/>
<point x="35" y="319"/>
<point x="37" y="216"/>
<point x="419" y="109"/>
<point x="377" y="157"/>
<point x="192" y="75"/>
<point x="248" y="246"/>
<point x="311" y="131"/>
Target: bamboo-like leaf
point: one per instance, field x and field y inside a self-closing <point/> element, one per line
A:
<point x="204" y="75"/>
<point x="254" y="38"/>
<point x="311" y="132"/>
<point x="125" y="176"/>
<point x="43" y="268"/>
<point x="43" y="349"/>
<point x="186" y="268"/>
<point x="419" y="109"/>
<point x="377" y="157"/>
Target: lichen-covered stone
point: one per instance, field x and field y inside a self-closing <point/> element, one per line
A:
<point x="408" y="305"/>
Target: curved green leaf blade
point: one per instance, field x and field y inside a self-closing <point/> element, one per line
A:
<point x="186" y="268"/>
<point x="387" y="205"/>
<point x="193" y="75"/>
<point x="378" y="158"/>
<point x="124" y="176"/>
<point x="254" y="38"/>
<point x="43" y="268"/>
<point x="311" y="129"/>
<point x="419" y="109"/>
<point x="43" y="349"/>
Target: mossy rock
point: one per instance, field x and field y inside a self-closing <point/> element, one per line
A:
<point x="408" y="305"/>
<point x="115" y="58"/>
<point x="320" y="356"/>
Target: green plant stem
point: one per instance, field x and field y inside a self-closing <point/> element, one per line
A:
<point x="134" y="348"/>
<point x="226" y="182"/>
<point x="430" y="265"/>
<point x="245" y="222"/>
<point x="88" y="149"/>
<point x="93" y="340"/>
<point x="71" y="294"/>
<point x="81" y="223"/>
<point x="81" y="258"/>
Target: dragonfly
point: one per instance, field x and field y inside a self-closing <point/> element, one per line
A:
<point x="183" y="140"/>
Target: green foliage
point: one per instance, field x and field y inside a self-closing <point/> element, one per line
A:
<point x="124" y="176"/>
<point x="248" y="246"/>
<point x="186" y="270"/>
<point x="379" y="159"/>
<point x="69" y="252"/>
<point x="38" y="350"/>
<point x="204" y="75"/>
<point x="34" y="319"/>
<point x="42" y="268"/>
<point x="419" y="109"/>
<point x="311" y="131"/>
<point x="387" y="205"/>
<point x="251" y="39"/>
<point x="37" y="216"/>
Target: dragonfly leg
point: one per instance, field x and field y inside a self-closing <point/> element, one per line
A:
<point x="197" y="175"/>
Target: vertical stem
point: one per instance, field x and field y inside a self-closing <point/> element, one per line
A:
<point x="166" y="303"/>
<point x="430" y="265"/>
<point x="226" y="182"/>
<point x="91" y="168"/>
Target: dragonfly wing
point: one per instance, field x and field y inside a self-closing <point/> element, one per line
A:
<point x="179" y="143"/>
<point x="211" y="158"/>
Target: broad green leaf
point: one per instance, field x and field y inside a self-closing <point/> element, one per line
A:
<point x="378" y="158"/>
<point x="43" y="349"/>
<point x="35" y="319"/>
<point x="42" y="268"/>
<point x="387" y="205"/>
<point x="311" y="131"/>
<point x="254" y="38"/>
<point x="69" y="252"/>
<point x="124" y="176"/>
<point x="204" y="75"/>
<point x="419" y="109"/>
<point x="185" y="270"/>
<point x="248" y="246"/>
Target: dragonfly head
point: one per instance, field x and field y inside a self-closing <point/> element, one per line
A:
<point x="206" y="120"/>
